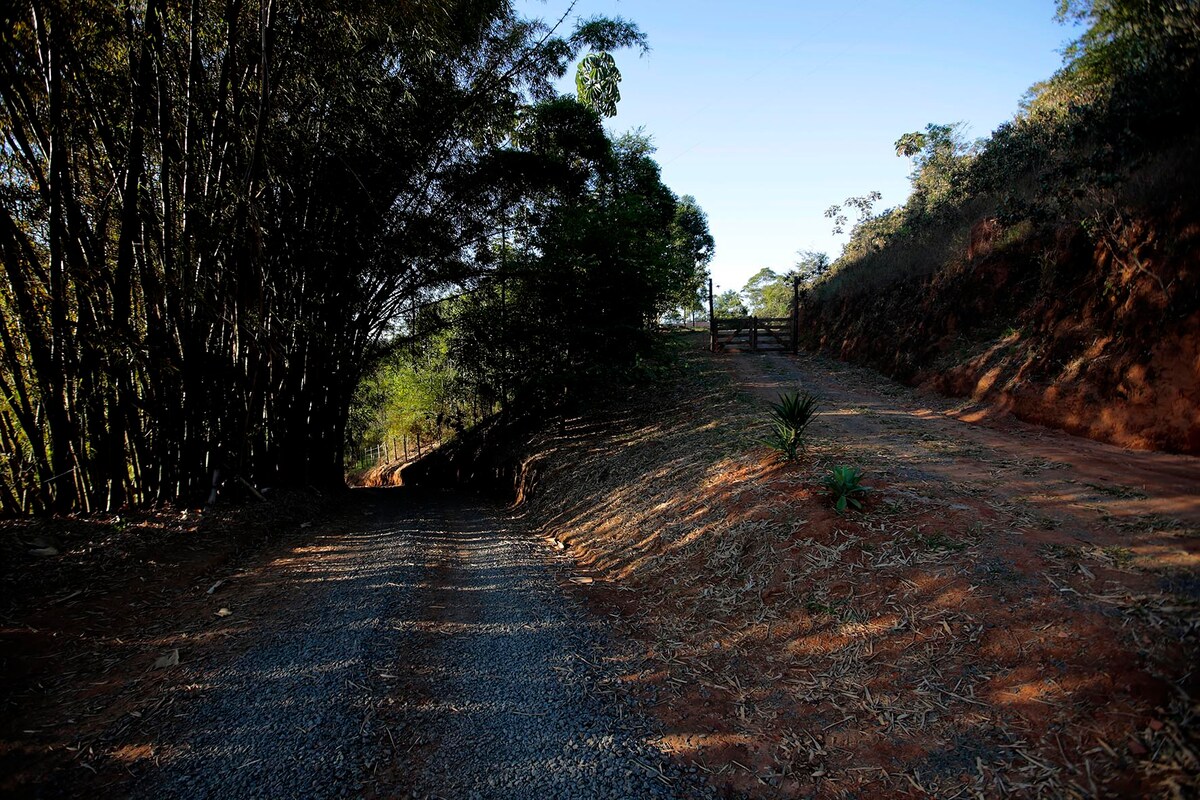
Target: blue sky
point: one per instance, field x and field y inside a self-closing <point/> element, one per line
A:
<point x="770" y="112"/>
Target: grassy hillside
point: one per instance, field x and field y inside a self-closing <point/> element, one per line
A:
<point x="1055" y="267"/>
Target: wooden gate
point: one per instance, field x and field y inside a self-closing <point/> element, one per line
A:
<point x="743" y="334"/>
<point x="755" y="334"/>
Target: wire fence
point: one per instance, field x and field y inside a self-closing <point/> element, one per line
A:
<point x="401" y="448"/>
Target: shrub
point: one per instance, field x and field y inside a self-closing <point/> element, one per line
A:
<point x="789" y="418"/>
<point x="845" y="484"/>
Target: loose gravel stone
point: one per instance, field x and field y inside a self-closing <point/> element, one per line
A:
<point x="438" y="590"/>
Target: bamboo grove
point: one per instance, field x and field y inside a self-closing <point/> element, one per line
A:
<point x="214" y="210"/>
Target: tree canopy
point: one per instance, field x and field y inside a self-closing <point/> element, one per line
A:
<point x="768" y="293"/>
<point x="214" y="213"/>
<point x="729" y="304"/>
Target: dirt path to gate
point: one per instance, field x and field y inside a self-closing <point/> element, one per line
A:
<point x="1015" y="612"/>
<point x="1060" y="487"/>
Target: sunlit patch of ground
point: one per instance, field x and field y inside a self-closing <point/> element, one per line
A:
<point x="948" y="641"/>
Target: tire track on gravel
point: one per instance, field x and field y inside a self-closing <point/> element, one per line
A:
<point x="431" y="654"/>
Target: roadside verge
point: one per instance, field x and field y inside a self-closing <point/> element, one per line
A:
<point x="952" y="639"/>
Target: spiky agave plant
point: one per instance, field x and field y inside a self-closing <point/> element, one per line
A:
<point x="789" y="419"/>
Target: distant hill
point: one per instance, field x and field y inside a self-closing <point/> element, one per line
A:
<point x="1054" y="268"/>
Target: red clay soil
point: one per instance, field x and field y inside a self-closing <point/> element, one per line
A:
<point x="1016" y="612"/>
<point x="1083" y="482"/>
<point x="1157" y="408"/>
<point x="380" y="475"/>
<point x="1097" y="335"/>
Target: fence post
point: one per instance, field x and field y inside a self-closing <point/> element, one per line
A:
<point x="712" y="320"/>
<point x="404" y="439"/>
<point x="754" y="333"/>
<point x="795" y="315"/>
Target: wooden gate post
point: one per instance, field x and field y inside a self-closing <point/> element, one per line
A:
<point x="754" y="333"/>
<point x="712" y="320"/>
<point x="795" y="315"/>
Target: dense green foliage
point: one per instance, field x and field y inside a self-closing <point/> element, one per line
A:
<point x="768" y="293"/>
<point x="729" y="304"/>
<point x="1127" y="91"/>
<point x="404" y="402"/>
<point x="592" y="253"/>
<point x="213" y="212"/>
<point x="691" y="241"/>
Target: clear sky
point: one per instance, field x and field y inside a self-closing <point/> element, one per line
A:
<point x="768" y="112"/>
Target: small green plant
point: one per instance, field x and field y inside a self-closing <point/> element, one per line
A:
<point x="817" y="607"/>
<point x="845" y="484"/>
<point x="789" y="418"/>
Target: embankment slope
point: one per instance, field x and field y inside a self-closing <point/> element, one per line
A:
<point x="967" y="631"/>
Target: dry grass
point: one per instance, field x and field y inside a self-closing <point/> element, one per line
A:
<point x="918" y="649"/>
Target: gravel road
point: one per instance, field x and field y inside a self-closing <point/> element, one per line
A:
<point x="430" y="653"/>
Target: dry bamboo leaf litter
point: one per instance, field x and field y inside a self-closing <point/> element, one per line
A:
<point x="908" y="630"/>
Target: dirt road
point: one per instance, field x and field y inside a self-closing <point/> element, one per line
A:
<point x="415" y="646"/>
<point x="1055" y="485"/>
<point x="1012" y="613"/>
<point x="418" y="644"/>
